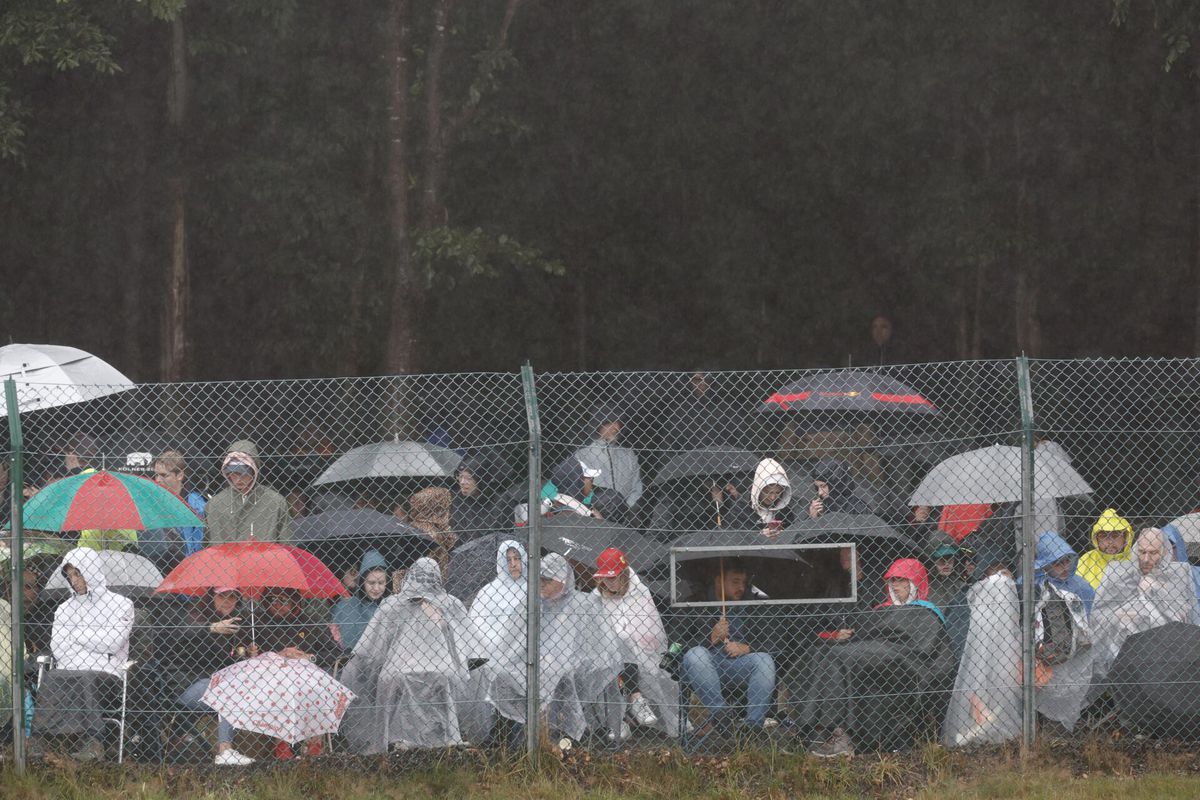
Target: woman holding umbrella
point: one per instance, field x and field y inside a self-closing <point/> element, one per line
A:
<point x="211" y="636"/>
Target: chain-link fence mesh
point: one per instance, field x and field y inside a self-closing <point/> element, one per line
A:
<point x="809" y="559"/>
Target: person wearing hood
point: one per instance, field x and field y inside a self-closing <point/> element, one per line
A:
<point x="1112" y="541"/>
<point x="409" y="668"/>
<point x="619" y="468"/>
<point x="580" y="657"/>
<point x="946" y="574"/>
<point x="498" y="602"/>
<point x="476" y="510"/>
<point x="1179" y="548"/>
<point x="833" y="488"/>
<point x="246" y="508"/>
<point x="90" y="644"/>
<point x="352" y="614"/>
<point x="985" y="706"/>
<point x="652" y="693"/>
<point x="1056" y="562"/>
<point x="210" y="637"/>
<point x="767" y="506"/>
<point x="978" y="564"/>
<point x="876" y="682"/>
<point x="1146" y="592"/>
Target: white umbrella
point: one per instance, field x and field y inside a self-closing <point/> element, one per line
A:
<point x="993" y="475"/>
<point x="289" y="698"/>
<point x="48" y="376"/>
<point x="392" y="459"/>
<point x="124" y="573"/>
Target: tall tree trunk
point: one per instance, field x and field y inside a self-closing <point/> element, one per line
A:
<point x="432" y="213"/>
<point x="407" y="290"/>
<point x="1196" y="231"/>
<point x="175" y="334"/>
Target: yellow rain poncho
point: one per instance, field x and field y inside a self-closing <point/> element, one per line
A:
<point x="1094" y="562"/>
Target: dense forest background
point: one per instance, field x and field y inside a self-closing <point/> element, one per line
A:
<point x="274" y="188"/>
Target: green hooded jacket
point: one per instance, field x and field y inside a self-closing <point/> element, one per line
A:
<point x="261" y="512"/>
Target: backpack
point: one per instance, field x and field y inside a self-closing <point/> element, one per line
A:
<point x="1061" y="628"/>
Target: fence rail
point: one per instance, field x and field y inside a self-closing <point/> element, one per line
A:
<point x="824" y="559"/>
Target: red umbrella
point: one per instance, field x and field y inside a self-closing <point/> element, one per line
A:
<point x="251" y="567"/>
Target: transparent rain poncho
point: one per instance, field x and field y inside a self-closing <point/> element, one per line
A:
<point x="496" y="603"/>
<point x="1129" y="602"/>
<point x="985" y="706"/>
<point x="639" y="628"/>
<point x="580" y="658"/>
<point x="409" y="669"/>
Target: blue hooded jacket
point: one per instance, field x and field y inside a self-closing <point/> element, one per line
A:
<point x="1180" y="546"/>
<point x="1050" y="548"/>
<point x="351" y="614"/>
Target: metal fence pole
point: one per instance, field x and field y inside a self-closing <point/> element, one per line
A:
<point x="1028" y="545"/>
<point x="533" y="569"/>
<point x="17" y="568"/>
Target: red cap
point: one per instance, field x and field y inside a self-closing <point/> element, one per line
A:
<point x="610" y="564"/>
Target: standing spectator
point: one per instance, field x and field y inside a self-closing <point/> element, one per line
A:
<point x="619" y="468"/>
<point x="477" y="510"/>
<point x="1112" y="540"/>
<point x="882" y="349"/>
<point x="246" y="507"/>
<point x="170" y="472"/>
<point x="697" y="417"/>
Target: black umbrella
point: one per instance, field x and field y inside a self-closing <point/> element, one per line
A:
<point x="583" y="539"/>
<point x="339" y="537"/>
<point x="473" y="565"/>
<point x="1156" y="681"/>
<point x="715" y="460"/>
<point x="848" y="390"/>
<point x="878" y="544"/>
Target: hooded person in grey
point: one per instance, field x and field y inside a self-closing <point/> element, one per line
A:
<point x="246" y="507"/>
<point x="619" y="468"/>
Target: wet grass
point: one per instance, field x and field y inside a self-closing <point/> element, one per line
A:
<point x="1094" y="769"/>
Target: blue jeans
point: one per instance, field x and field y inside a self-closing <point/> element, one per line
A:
<point x="190" y="700"/>
<point x="707" y="671"/>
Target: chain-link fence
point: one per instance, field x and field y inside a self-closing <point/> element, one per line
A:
<point x="821" y="559"/>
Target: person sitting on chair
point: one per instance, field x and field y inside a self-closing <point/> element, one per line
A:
<point x="89" y="641"/>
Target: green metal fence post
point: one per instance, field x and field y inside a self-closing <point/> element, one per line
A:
<point x="1028" y="545"/>
<point x="17" y="570"/>
<point x="533" y="569"/>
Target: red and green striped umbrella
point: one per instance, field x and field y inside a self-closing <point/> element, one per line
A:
<point x="106" y="501"/>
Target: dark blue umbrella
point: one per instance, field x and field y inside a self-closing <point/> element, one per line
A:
<point x="848" y="390"/>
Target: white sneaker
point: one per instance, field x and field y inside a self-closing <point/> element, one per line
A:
<point x="641" y="711"/>
<point x="232" y="758"/>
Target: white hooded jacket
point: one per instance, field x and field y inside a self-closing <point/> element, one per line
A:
<point x="767" y="472"/>
<point x="91" y="631"/>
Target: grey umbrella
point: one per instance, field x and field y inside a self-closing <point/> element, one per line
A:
<point x="993" y="475"/>
<point x="392" y="459"/>
<point x="848" y="390"/>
